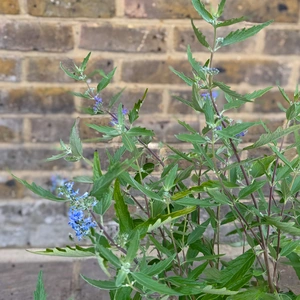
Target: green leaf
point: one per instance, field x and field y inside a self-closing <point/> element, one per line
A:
<point x="234" y="104"/>
<point x="257" y="94"/>
<point x="191" y="138"/>
<point x="260" y="166"/>
<point x="115" y="98"/>
<point x="133" y="115"/>
<point x="85" y="96"/>
<point x="101" y="284"/>
<point x="179" y="153"/>
<point x="75" y="143"/>
<point x="133" y="248"/>
<point x="201" y="38"/>
<point x="253" y="187"/>
<point x="97" y="173"/>
<point x="295" y="263"/>
<point x="187" y="126"/>
<point x="170" y="178"/>
<point x="40" y="293"/>
<point x="221" y="8"/>
<point x="73" y="75"/>
<point x="189" y="81"/>
<point x="128" y="142"/>
<point x="233" y="130"/>
<point x="236" y="269"/>
<point x="289" y="248"/>
<point x="198" y="5"/>
<point x="219" y="197"/>
<point x="58" y="156"/>
<point x="84" y="62"/>
<point x="108" y="131"/>
<point x="83" y="179"/>
<point x="272" y="137"/>
<point x="67" y="251"/>
<point x="122" y="212"/>
<point x="284" y="95"/>
<point x="105" y="80"/>
<point x="209" y="289"/>
<point x="293" y="111"/>
<point x="283" y="226"/>
<point x="230" y="22"/>
<point x="226" y="89"/>
<point x="243" y="34"/>
<point x="153" y="285"/>
<point x="138" y="131"/>
<point x="195" y="65"/>
<point x="109" y="256"/>
<point x="197" y="233"/>
<point x="39" y="190"/>
<point x="189" y="201"/>
<point x="160" y="267"/>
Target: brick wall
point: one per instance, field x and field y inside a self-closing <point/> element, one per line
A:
<point x="142" y="38"/>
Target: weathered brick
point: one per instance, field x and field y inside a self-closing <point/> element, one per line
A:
<point x="282" y="42"/>
<point x="10" y="130"/>
<point x="154" y="71"/>
<point x="42" y="37"/>
<point x="10" y="69"/>
<point x="9" y="7"/>
<point x="45" y="130"/>
<point x="11" y="189"/>
<point x="129" y="38"/>
<point x="254" y="72"/>
<point x="72" y="9"/>
<point x="160" y="9"/>
<point x="262" y="11"/>
<point x="36" y="100"/>
<point x="45" y="69"/>
<point x="185" y="36"/>
<point x="269" y="102"/>
<point x="31" y="159"/>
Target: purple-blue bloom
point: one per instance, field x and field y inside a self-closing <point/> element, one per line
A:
<point x="80" y="224"/>
<point x="219" y="127"/>
<point x="206" y="96"/>
<point x="243" y="133"/>
<point x="98" y="103"/>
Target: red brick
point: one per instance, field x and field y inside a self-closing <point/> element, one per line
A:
<point x="160" y="9"/>
<point x="10" y="130"/>
<point x="185" y="36"/>
<point x="282" y="42"/>
<point x="9" y="7"/>
<point x="45" y="69"/>
<point x="42" y="37"/>
<point x="72" y="9"/>
<point x="116" y="38"/>
<point x="28" y="158"/>
<point x="154" y="71"/>
<point x="45" y="130"/>
<point x="36" y="100"/>
<point x="10" y="69"/>
<point x="286" y="11"/>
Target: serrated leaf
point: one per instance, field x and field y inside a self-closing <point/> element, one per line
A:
<point x="133" y="115"/>
<point x="115" y="98"/>
<point x="84" y="62"/>
<point x="101" y="284"/>
<point x="108" y="131"/>
<point x="189" y="81"/>
<point x="195" y="65"/>
<point x="128" y="142"/>
<point x="67" y="251"/>
<point x="81" y="95"/>
<point x="122" y="212"/>
<point x="253" y="187"/>
<point x="181" y="154"/>
<point x="153" y="285"/>
<point x="109" y="256"/>
<point x="191" y="138"/>
<point x="273" y="136"/>
<point x="196" y="99"/>
<point x="233" y="105"/>
<point x="284" y="95"/>
<point x="230" y="22"/>
<point x="39" y="190"/>
<point x="283" y="226"/>
<point x="221" y="8"/>
<point x="243" y="34"/>
<point x="233" y="130"/>
<point x="187" y="126"/>
<point x="75" y="142"/>
<point x="105" y="80"/>
<point x="40" y="293"/>
<point x="201" y="38"/>
<point x="57" y="156"/>
<point x="226" y="89"/>
<point x="198" y="5"/>
<point x="139" y="131"/>
<point x="258" y="93"/>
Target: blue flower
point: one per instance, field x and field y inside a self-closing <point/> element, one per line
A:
<point x="206" y="96"/>
<point x="243" y="133"/>
<point x="219" y="127"/>
<point x="98" y="103"/>
<point x="124" y="111"/>
<point x="80" y="224"/>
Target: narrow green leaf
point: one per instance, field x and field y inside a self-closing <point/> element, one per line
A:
<point x="199" y="6"/>
<point x="133" y="248"/>
<point x="233" y="105"/>
<point x="153" y="285"/>
<point x="139" y="131"/>
<point x="108" y="131"/>
<point x="209" y="289"/>
<point x="83" y="179"/>
<point x="58" y="156"/>
<point x="75" y="143"/>
<point x="39" y="190"/>
<point x="128" y="142"/>
<point x="84" y="62"/>
<point x="289" y="248"/>
<point x="115" y="98"/>
<point x="133" y="115"/>
<point x="97" y="173"/>
<point x="221" y="8"/>
<point x="197" y="233"/>
<point x="253" y="187"/>
<point x="73" y="75"/>
<point x="122" y="212"/>
<point x="233" y="130"/>
<point x="109" y="256"/>
<point x="284" y="95"/>
<point x="226" y="89"/>
<point x="243" y="34"/>
<point x="67" y="251"/>
<point x="219" y="197"/>
<point x="283" y="226"/>
<point x="195" y="65"/>
<point x="257" y="94"/>
<point x="230" y="22"/>
<point x="40" y="293"/>
<point x="170" y="178"/>
<point x="181" y="154"/>
<point x="105" y="80"/>
<point x="201" y="38"/>
<point x="191" y="138"/>
<point x="160" y="267"/>
<point x="101" y="284"/>
<point x="85" y="96"/>
<point x="272" y="137"/>
<point x="189" y="81"/>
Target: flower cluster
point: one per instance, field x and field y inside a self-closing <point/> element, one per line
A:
<point x="56" y="182"/>
<point x="80" y="224"/>
<point x="98" y="104"/>
<point x="206" y="96"/>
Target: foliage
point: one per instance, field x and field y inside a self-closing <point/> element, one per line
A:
<point x="164" y="249"/>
